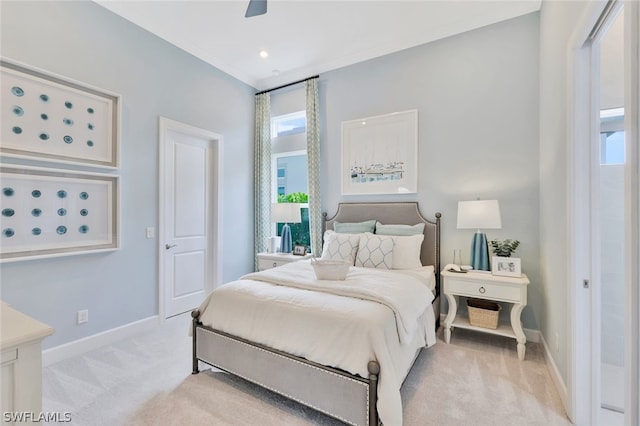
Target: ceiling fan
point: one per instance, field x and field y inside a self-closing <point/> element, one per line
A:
<point x="255" y="8"/>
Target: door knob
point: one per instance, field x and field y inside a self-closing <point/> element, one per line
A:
<point x="168" y="246"/>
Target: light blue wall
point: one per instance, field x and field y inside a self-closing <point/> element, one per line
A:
<point x="84" y="41"/>
<point x="477" y="99"/>
<point x="476" y="94"/>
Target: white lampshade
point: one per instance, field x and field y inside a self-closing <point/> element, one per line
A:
<point x="285" y="213"/>
<point x="479" y="214"/>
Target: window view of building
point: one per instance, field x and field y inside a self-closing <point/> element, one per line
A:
<point x="290" y="170"/>
<point x="612" y="136"/>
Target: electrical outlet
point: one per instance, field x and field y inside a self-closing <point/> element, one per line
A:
<point x="557" y="342"/>
<point x="82" y="316"/>
<point x="151" y="232"/>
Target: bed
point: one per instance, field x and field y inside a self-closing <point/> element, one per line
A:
<point x="343" y="354"/>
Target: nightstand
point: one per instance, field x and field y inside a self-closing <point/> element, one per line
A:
<point x="488" y="287"/>
<point x="271" y="260"/>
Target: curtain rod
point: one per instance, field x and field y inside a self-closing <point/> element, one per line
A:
<point x="288" y="84"/>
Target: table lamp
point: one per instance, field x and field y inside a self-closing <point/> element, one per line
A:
<point x="479" y="214"/>
<point x="285" y="213"/>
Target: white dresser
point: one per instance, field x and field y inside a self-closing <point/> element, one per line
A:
<point x="21" y="364"/>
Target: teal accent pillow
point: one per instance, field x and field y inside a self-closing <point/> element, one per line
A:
<point x="400" y="230"/>
<point x="354" y="228"/>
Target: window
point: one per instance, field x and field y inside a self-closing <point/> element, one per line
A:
<point x="289" y="124"/>
<point x="291" y="187"/>
<point x="289" y="170"/>
<point x="612" y="136"/>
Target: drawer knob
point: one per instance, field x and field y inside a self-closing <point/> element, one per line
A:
<point x="275" y="264"/>
<point x="482" y="290"/>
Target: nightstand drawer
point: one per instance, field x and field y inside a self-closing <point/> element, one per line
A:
<point x="483" y="290"/>
<point x="273" y="260"/>
<point x="269" y="263"/>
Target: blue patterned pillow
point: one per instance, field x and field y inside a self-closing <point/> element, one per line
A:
<point x="375" y="251"/>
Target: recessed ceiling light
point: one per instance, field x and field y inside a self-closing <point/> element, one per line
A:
<point x="264" y="53"/>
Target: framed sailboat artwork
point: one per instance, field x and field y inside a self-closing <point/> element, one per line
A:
<point x="380" y="154"/>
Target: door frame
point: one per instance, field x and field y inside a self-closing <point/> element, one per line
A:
<point x="632" y="180"/>
<point x="583" y="313"/>
<point x="215" y="238"/>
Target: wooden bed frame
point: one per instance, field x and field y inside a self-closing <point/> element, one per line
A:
<point x="339" y="394"/>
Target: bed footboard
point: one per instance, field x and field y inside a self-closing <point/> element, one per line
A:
<point x="348" y="398"/>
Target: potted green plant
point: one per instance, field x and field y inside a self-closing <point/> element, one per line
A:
<point x="502" y="263"/>
<point x="504" y="248"/>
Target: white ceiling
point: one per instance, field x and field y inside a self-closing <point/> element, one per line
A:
<point x="305" y="37"/>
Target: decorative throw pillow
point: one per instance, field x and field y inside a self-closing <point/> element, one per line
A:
<point x="375" y="251"/>
<point x="354" y="228"/>
<point x="399" y="229"/>
<point x="340" y="247"/>
<point x="406" y="252"/>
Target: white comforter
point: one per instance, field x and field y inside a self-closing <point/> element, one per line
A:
<point x="372" y="315"/>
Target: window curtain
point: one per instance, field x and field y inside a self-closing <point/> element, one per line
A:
<point x="262" y="172"/>
<point x="313" y="165"/>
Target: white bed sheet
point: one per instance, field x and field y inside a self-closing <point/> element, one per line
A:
<point x="333" y="330"/>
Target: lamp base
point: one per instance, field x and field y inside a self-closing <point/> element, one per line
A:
<point x="285" y="239"/>
<point x="480" y="252"/>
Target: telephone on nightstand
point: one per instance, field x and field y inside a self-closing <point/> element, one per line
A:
<point x="454" y="268"/>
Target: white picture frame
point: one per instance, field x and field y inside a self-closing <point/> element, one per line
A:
<point x="48" y="212"/>
<point x="506" y="266"/>
<point x="47" y="117"/>
<point x="380" y="154"/>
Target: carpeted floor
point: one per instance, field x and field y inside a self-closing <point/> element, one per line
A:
<point x="477" y="379"/>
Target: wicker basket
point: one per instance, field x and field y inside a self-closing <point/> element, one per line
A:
<point x="330" y="269"/>
<point x="483" y="313"/>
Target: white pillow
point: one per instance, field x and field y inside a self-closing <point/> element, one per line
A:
<point x="375" y="251"/>
<point x="340" y="246"/>
<point x="406" y="252"/>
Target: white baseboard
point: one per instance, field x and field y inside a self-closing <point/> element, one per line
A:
<point x="86" y="344"/>
<point x="556" y="377"/>
<point x="533" y="336"/>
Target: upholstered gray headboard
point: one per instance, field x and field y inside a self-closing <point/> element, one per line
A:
<point x="405" y="213"/>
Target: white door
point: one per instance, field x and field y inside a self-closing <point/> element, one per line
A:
<point x="605" y="376"/>
<point x="188" y="212"/>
